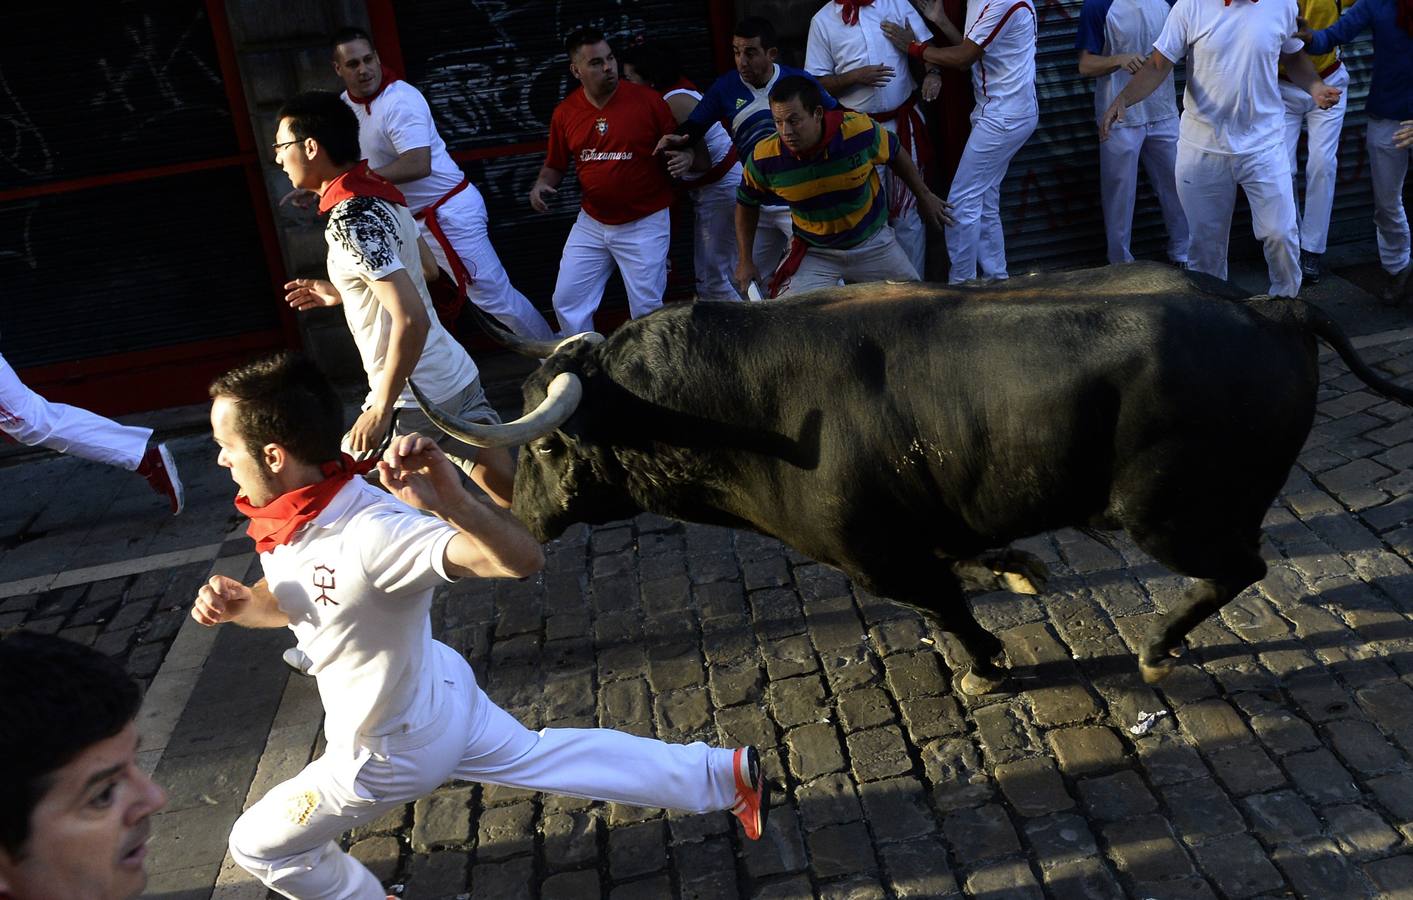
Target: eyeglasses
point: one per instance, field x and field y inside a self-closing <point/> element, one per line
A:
<point x="283" y="144"/>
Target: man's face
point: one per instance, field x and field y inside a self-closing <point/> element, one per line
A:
<point x="88" y="834"/>
<point x="631" y="74"/>
<point x="253" y="479"/>
<point x="357" y="63"/>
<point x="753" y="62"/>
<point x="596" y="68"/>
<point x="800" y="129"/>
<point x="293" y="156"/>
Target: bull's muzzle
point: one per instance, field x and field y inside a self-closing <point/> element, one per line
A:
<point x="561" y="399"/>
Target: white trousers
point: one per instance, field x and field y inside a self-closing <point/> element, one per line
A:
<point x="976" y="241"/>
<point x="773" y="234"/>
<point x="880" y="258"/>
<point x="639" y="248"/>
<point x="1321" y="162"/>
<point x="1207" y="184"/>
<point x="32" y="420"/>
<point x="1387" y="167"/>
<point x="902" y="209"/>
<point x="288" y="839"/>
<point x="464" y="222"/>
<point x="1154" y="144"/>
<point x="714" y="237"/>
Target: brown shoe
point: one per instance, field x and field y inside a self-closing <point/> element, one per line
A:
<point x="160" y="470"/>
<point x="1397" y="287"/>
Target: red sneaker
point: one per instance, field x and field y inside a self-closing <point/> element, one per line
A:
<point x="160" y="470"/>
<point x="752" y="792"/>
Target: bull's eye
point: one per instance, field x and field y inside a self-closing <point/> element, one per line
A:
<point x="546" y="445"/>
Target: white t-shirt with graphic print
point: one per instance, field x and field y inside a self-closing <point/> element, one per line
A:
<point x="357" y="586"/>
<point x="369" y="239"/>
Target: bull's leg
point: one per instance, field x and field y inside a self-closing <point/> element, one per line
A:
<point x="1224" y="563"/>
<point x="937" y="594"/>
<point x="1006" y="569"/>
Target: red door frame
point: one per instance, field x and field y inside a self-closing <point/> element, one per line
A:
<point x="178" y="374"/>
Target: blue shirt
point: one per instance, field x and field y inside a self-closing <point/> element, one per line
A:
<point x="745" y="109"/>
<point x="1391" y="93"/>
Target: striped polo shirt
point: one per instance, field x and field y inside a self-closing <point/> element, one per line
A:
<point x="834" y="192"/>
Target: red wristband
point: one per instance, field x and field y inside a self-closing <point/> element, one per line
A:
<point x="915" y="50"/>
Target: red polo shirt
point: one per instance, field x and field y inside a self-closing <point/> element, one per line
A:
<point x="612" y="150"/>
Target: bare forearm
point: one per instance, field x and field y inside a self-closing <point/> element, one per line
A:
<point x="550" y="177"/>
<point x="1146" y="80"/>
<point x="1092" y="65"/>
<point x="835" y="84"/>
<point x="410" y="166"/>
<point x="263" y="610"/>
<point x="1301" y="71"/>
<point x="747" y="221"/>
<point x="406" y="339"/>
<point x="495" y="545"/>
<point x="961" y="56"/>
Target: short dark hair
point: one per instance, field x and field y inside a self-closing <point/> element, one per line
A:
<point x="792" y="86"/>
<point x="757" y="27"/>
<point x="347" y="35"/>
<point x="285" y="399"/>
<point x="321" y="115"/>
<point x="60" y="699"/>
<point x="580" y="37"/>
<point x="658" y="66"/>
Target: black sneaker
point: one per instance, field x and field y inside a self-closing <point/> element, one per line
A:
<point x="1310" y="268"/>
<point x="1396" y="286"/>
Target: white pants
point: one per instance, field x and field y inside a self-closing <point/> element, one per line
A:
<point x="639" y="248"/>
<point x="902" y="209"/>
<point x="976" y="241"/>
<point x="714" y="237"/>
<point x="1207" y="184"/>
<point x="773" y="234"/>
<point x="30" y="419"/>
<point x="288" y="838"/>
<point x="880" y="258"/>
<point x="1387" y="167"/>
<point x="1321" y="162"/>
<point x="1155" y="145"/>
<point x="463" y="220"/>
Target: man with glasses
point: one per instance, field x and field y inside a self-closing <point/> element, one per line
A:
<point x="375" y="270"/>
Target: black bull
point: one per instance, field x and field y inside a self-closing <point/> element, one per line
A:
<point x="893" y="430"/>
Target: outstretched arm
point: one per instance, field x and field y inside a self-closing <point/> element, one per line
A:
<point x="1142" y="84"/>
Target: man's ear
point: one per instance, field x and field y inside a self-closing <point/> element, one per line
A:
<point x="274" y="457"/>
<point x="772" y="53"/>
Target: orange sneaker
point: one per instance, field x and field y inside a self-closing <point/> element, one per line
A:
<point x="752" y="792"/>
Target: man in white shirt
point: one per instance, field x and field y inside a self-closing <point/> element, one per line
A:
<point x="998" y="45"/>
<point x="376" y="274"/>
<point x="1114" y="39"/>
<point x="1232" y="125"/>
<point x="351" y="571"/>
<point x="854" y="61"/>
<point x="397" y="136"/>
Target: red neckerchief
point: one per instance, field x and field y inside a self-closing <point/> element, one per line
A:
<point x="850" y="12"/>
<point x="359" y="181"/>
<point x="833" y="118"/>
<point x="389" y="76"/>
<point x="1228" y="2"/>
<point x="275" y="523"/>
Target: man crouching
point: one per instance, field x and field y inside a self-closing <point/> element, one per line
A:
<point x="351" y="571"/>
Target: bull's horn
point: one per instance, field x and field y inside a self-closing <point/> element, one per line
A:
<point x="535" y="349"/>
<point x="559" y="404"/>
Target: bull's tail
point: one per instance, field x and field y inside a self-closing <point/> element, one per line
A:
<point x="1318" y="322"/>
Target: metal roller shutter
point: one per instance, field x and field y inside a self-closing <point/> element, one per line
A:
<point x="493" y="73"/>
<point x="1050" y="200"/>
<point x="128" y="231"/>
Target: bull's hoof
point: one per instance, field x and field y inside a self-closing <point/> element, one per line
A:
<point x="1018" y="583"/>
<point x="1155" y="671"/>
<point x="975" y="684"/>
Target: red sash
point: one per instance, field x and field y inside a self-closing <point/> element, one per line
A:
<point x="464" y="276"/>
<point x="277" y="522"/>
<point x="788" y="267"/>
<point x="915" y="141"/>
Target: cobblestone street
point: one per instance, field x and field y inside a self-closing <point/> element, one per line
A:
<point x="1279" y="763"/>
